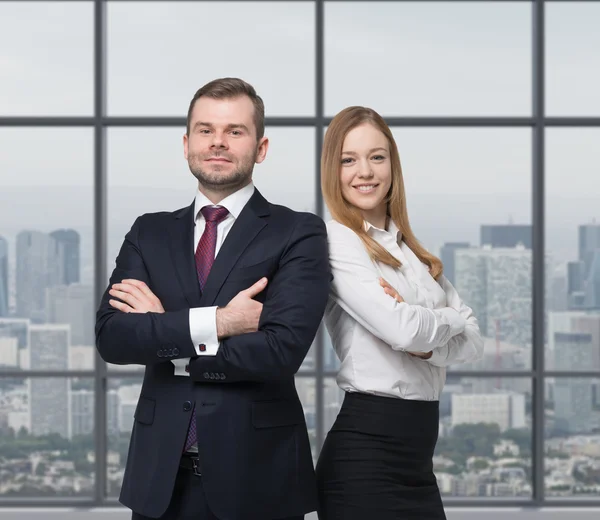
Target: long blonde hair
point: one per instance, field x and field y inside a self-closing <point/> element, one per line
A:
<point x="349" y="215"/>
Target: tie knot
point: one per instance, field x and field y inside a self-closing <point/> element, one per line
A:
<point x="214" y="214"/>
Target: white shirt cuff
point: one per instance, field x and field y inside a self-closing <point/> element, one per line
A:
<point x="455" y="320"/>
<point x="203" y="330"/>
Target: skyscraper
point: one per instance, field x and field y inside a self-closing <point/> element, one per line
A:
<point x="584" y="275"/>
<point x="67" y="241"/>
<point x="49" y="399"/>
<point x="73" y="304"/>
<point x="589" y="242"/>
<point x="38" y="268"/>
<point x="579" y="322"/>
<point x="591" y="286"/>
<point x="496" y="284"/>
<point x="573" y="396"/>
<point x="447" y="257"/>
<point x="3" y="277"/>
<point x="506" y="235"/>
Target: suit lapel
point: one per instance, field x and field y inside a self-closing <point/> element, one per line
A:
<point x="182" y="250"/>
<point x="248" y="224"/>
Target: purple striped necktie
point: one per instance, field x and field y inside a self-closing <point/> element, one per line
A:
<point x="205" y="256"/>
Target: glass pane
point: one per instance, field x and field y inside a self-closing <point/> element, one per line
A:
<point x="484" y="442"/>
<point x="572" y="438"/>
<point x="147" y="172"/>
<point x="46" y="245"/>
<point x="421" y="58"/>
<point x="573" y="244"/>
<point x="121" y="400"/>
<point x="572" y="46"/>
<point x="46" y="437"/>
<point x="159" y="76"/>
<point x="46" y="67"/>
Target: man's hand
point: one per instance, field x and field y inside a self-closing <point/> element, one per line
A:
<point x="137" y="297"/>
<point x="242" y="313"/>
<point x="389" y="290"/>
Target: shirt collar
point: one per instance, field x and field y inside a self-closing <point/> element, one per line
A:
<point x="234" y="203"/>
<point x="392" y="229"/>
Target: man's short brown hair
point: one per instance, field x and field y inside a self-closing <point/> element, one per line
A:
<point x="227" y="88"/>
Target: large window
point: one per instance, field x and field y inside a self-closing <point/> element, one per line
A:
<point x="494" y="108"/>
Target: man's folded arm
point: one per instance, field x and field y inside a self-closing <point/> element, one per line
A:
<point x="295" y="301"/>
<point x="139" y="338"/>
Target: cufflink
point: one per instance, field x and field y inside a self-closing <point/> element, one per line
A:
<point x="187" y="368"/>
<point x="202" y="347"/>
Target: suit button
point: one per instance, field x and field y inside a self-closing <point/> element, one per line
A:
<point x="175" y="351"/>
<point x="187" y="406"/>
<point x="205" y="375"/>
<point x="222" y="375"/>
<point x="159" y="353"/>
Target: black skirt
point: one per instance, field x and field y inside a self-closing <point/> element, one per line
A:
<point x="377" y="461"/>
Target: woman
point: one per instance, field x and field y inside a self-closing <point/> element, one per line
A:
<point x="395" y="322"/>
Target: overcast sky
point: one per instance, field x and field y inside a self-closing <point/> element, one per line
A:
<point x="401" y="59"/>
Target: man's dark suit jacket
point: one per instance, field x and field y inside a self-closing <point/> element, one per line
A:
<point x="252" y="438"/>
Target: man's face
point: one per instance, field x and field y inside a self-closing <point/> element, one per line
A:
<point x="222" y="147"/>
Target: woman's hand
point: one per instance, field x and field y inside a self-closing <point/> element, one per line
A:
<point x="389" y="290"/>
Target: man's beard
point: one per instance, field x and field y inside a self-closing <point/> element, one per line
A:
<point x="216" y="179"/>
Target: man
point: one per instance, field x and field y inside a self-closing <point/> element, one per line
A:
<point x="220" y="301"/>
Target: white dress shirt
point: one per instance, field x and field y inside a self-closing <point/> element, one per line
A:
<point x="371" y="332"/>
<point x="203" y="320"/>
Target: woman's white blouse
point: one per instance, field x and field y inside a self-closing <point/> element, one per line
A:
<point x="371" y="332"/>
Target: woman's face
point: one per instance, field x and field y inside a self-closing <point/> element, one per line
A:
<point x="366" y="171"/>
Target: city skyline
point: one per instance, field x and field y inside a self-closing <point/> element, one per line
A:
<point x="488" y="275"/>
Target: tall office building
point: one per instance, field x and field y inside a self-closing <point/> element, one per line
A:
<point x="3" y="277"/>
<point x="38" y="268"/>
<point x="82" y="412"/>
<point x="573" y="396"/>
<point x="584" y="274"/>
<point x="575" y="285"/>
<point x="49" y="397"/>
<point x="67" y="241"/>
<point x="589" y="242"/>
<point x="591" y="286"/>
<point x="507" y="235"/>
<point x="496" y="284"/>
<point x="73" y="304"/>
<point x="578" y="322"/>
<point x="471" y="272"/>
<point x="112" y="412"/>
<point x="447" y="257"/>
